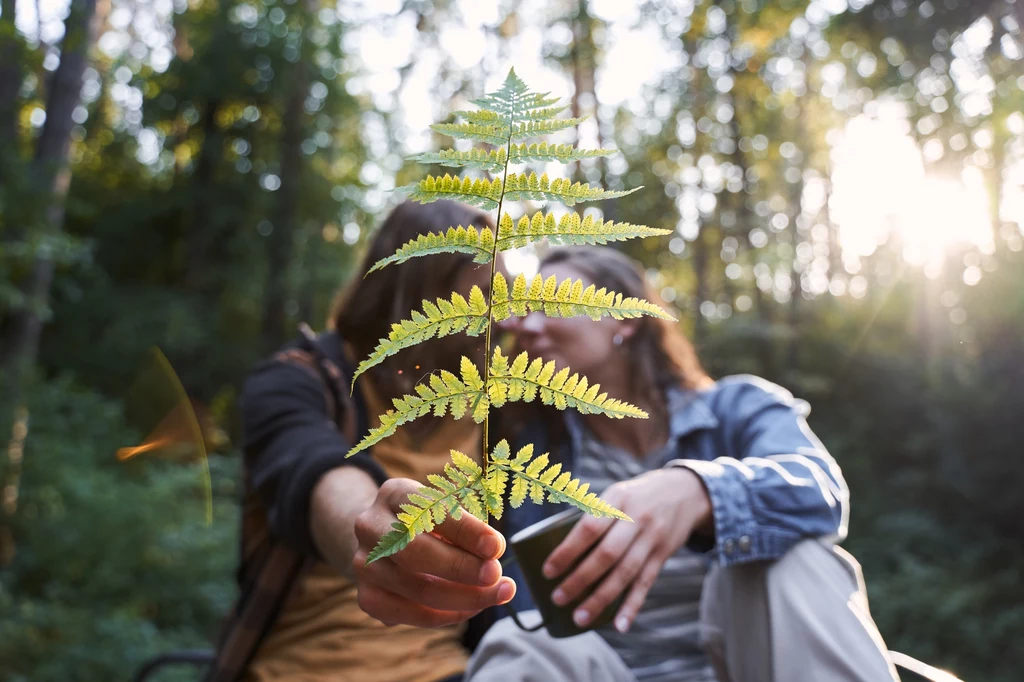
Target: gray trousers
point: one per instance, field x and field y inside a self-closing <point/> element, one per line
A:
<point x="803" y="618"/>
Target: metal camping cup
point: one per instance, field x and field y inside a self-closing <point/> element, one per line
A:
<point x="530" y="549"/>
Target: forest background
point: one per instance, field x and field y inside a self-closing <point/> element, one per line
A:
<point x="844" y="180"/>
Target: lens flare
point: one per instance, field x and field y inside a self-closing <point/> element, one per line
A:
<point x="178" y="428"/>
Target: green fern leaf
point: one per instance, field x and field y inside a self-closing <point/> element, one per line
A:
<point x="531" y="112"/>
<point x="515" y="103"/>
<point x="430" y="506"/>
<point x="492" y="134"/>
<point x="567" y="299"/>
<point x="493" y="160"/>
<point x="478" y="244"/>
<point x="532" y="475"/>
<point x="525" y="380"/>
<point x="533" y="188"/>
<point x="558" y="153"/>
<point x="473" y="191"/>
<point x="569" y="229"/>
<point x="481" y="117"/>
<point x="534" y="128"/>
<point x="445" y="393"/>
<point x="442" y="319"/>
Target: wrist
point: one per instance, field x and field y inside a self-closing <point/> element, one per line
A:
<point x="695" y="498"/>
<point x="337" y="499"/>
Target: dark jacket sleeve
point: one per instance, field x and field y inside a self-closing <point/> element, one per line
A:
<point x="290" y="441"/>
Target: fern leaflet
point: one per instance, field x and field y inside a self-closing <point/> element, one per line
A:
<point x="445" y="393"/>
<point x="440" y="319"/>
<point x="538" y="128"/>
<point x="457" y="240"/>
<point x="560" y="153"/>
<point x="525" y="380"/>
<point x="473" y="191"/>
<point x="566" y="299"/>
<point x="493" y="160"/>
<point x="569" y="229"/>
<point x="461" y="487"/>
<point x="542" y="188"/>
<point x="532" y="476"/>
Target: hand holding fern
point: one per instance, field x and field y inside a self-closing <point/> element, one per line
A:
<point x="441" y="578"/>
<point x="666" y="505"/>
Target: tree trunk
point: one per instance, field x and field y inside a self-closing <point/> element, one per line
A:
<point x="281" y="242"/>
<point x="204" y="190"/>
<point x="10" y="77"/>
<point x="51" y="174"/>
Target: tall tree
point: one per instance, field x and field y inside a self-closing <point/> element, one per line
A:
<point x="281" y="243"/>
<point x="51" y="174"/>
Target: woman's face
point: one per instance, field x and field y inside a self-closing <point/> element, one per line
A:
<point x="585" y="346"/>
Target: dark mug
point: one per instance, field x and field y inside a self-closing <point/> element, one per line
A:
<point x="530" y="549"/>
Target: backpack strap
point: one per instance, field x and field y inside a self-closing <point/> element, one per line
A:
<point x="279" y="573"/>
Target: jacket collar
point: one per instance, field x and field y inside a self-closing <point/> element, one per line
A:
<point x="687" y="413"/>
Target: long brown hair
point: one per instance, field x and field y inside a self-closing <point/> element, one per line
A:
<point x="364" y="311"/>
<point x="659" y="354"/>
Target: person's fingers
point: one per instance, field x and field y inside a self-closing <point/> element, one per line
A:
<point x="433" y="556"/>
<point x="617" y="580"/>
<point x="638" y="594"/>
<point x="581" y="538"/>
<point x="603" y="558"/>
<point x="472" y="535"/>
<point x="436" y="593"/>
<point x="392" y="609"/>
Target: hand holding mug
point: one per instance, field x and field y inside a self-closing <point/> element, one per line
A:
<point x="666" y="506"/>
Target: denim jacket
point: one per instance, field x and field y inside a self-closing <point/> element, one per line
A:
<point x="770" y="480"/>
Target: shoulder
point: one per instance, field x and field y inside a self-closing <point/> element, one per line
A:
<point x="746" y="393"/>
<point x="290" y="373"/>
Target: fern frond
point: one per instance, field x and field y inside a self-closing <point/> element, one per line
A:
<point x="493" y="160"/>
<point x="566" y="299"/>
<point x="496" y="134"/>
<point x="445" y="393"/>
<point x="532" y="476"/>
<point x="440" y="319"/>
<point x="569" y="229"/>
<point x="474" y="191"/>
<point x="521" y="187"/>
<point x="525" y="380"/>
<point x="429" y="506"/>
<point x="561" y="153"/>
<point x="457" y="240"/>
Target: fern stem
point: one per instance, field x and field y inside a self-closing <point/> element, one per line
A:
<point x="490" y="298"/>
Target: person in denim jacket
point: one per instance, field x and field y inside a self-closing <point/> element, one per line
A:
<point x="730" y="569"/>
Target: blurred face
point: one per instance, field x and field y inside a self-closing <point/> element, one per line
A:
<point x="586" y="346"/>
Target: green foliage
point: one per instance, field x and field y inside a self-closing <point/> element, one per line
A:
<point x="511" y="113"/>
<point x="114" y="561"/>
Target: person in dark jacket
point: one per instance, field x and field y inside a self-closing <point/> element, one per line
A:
<point x="730" y="568"/>
<point x="400" y="619"/>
